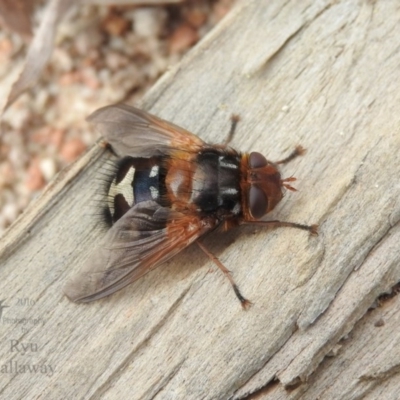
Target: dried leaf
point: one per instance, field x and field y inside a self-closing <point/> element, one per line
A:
<point x="16" y="15"/>
<point x="41" y="47"/>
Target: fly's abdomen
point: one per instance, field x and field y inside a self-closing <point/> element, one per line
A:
<point x="136" y="180"/>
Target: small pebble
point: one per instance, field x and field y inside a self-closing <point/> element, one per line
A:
<point x="182" y="38"/>
<point x="196" y="17"/>
<point x="48" y="168"/>
<point x="148" y="21"/>
<point x="10" y="212"/>
<point x="115" y="25"/>
<point x="72" y="149"/>
<point x="34" y="179"/>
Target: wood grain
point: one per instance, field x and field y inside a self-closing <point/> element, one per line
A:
<point x="323" y="74"/>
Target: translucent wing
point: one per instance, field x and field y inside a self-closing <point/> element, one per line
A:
<point x="142" y="239"/>
<point x="133" y="132"/>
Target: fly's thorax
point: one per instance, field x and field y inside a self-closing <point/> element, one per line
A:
<point x="135" y="180"/>
<point x="208" y="182"/>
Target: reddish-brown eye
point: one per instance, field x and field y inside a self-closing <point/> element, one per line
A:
<point x="257" y="160"/>
<point x="258" y="202"/>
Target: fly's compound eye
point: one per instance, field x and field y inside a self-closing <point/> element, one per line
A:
<point x="257" y="160"/>
<point x="258" y="202"/>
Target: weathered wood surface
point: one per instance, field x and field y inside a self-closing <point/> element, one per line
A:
<point x="321" y="73"/>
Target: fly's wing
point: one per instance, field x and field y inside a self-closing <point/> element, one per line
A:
<point x="142" y="239"/>
<point x="136" y="133"/>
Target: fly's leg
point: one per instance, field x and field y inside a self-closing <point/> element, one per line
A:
<point x="313" y="229"/>
<point x="243" y="301"/>
<point x="298" y="151"/>
<point x="234" y="121"/>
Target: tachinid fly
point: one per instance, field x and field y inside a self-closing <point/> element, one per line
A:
<point x="170" y="189"/>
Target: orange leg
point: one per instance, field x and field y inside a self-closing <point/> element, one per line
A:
<point x="244" y="302"/>
<point x="313" y="229"/>
<point x="234" y="120"/>
<point x="298" y="151"/>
